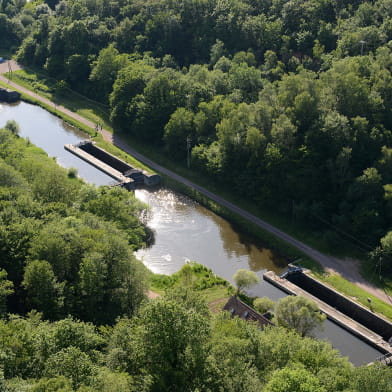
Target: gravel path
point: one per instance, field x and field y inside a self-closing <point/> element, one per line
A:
<point x="347" y="268"/>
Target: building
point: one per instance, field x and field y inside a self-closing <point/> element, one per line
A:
<point x="238" y="308"/>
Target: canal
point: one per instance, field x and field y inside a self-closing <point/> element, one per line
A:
<point x="184" y="230"/>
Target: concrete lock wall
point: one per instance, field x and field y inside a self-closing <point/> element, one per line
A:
<point x="103" y="156"/>
<point x="343" y="304"/>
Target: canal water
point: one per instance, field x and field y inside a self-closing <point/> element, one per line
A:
<point x="184" y="230"/>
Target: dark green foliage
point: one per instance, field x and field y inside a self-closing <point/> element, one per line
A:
<point x="286" y="102"/>
<point x="66" y="247"/>
<point x="174" y="344"/>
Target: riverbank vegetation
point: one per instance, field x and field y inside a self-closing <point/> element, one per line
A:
<point x="67" y="247"/>
<point x="284" y="102"/>
<point x="74" y="315"/>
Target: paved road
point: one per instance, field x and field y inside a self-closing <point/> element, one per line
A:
<point x="347" y="268"/>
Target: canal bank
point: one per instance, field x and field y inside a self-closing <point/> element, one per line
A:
<point x="349" y="315"/>
<point x="279" y="239"/>
<point x="184" y="229"/>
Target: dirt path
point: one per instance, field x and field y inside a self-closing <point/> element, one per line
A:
<point x="348" y="269"/>
<point x="152" y="294"/>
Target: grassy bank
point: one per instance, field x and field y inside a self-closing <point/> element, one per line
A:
<point x="197" y="277"/>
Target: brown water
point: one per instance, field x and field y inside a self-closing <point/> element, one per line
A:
<point x="184" y="230"/>
<point x="188" y="231"/>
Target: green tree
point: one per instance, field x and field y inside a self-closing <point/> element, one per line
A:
<point x="55" y="384"/>
<point x="121" y="207"/>
<point x="73" y="364"/>
<point x="263" y="304"/>
<point x="244" y="279"/>
<point x="44" y="293"/>
<point x="105" y="68"/>
<point x="177" y="130"/>
<point x="298" y="313"/>
<point x="12" y="126"/>
<point x="294" y="379"/>
<point x="170" y="341"/>
<point x="6" y="289"/>
<point x="372" y="378"/>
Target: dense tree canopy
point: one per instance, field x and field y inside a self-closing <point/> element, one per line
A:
<point x="171" y="346"/>
<point x="65" y="247"/>
<point x="287" y="101"/>
<point x="67" y="257"/>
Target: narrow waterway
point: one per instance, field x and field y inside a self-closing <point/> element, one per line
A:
<point x="184" y="230"/>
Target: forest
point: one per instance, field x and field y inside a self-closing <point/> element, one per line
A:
<point x="287" y="103"/>
<point x="74" y="315"/>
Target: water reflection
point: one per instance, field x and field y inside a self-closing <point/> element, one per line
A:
<point x="51" y="133"/>
<point x="188" y="231"/>
<point x="184" y="230"/>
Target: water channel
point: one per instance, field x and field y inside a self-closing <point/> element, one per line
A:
<point x="184" y="230"/>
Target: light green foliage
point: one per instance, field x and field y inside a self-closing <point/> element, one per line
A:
<point x="263" y="304"/>
<point x="189" y="298"/>
<point x="293" y="380"/>
<point x="105" y="68"/>
<point x="298" y="313"/>
<point x="71" y="363"/>
<point x="279" y="347"/>
<point x="372" y="378"/>
<point x="167" y="340"/>
<point x="178" y="130"/>
<point x="108" y="381"/>
<point x="173" y="338"/>
<point x="56" y="384"/>
<point x="192" y="275"/>
<point x="244" y="279"/>
<point x="232" y="355"/>
<point x="119" y="206"/>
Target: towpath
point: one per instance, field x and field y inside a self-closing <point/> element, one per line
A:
<point x="347" y="268"/>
